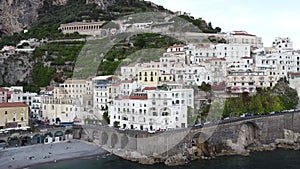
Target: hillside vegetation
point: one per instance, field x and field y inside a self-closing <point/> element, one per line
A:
<point x="55" y="61"/>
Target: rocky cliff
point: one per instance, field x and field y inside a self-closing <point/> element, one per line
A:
<point x="16" y="69"/>
<point x="17" y="15"/>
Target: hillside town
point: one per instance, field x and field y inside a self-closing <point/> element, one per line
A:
<point x="156" y="95"/>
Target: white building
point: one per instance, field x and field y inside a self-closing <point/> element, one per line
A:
<point x="242" y="37"/>
<point x="284" y="44"/>
<point x="36" y="108"/>
<point x="58" y="110"/>
<point x="163" y="107"/>
<point x="231" y="52"/>
<point x="101" y="93"/>
<point x="27" y="98"/>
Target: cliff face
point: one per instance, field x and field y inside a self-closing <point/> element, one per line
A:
<point x="19" y="14"/>
<point x="16" y="69"/>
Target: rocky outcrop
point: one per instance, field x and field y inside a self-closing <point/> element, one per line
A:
<point x="18" y="14"/>
<point x="16" y="68"/>
<point x="101" y="3"/>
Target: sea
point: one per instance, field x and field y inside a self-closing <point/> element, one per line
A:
<point x="278" y="159"/>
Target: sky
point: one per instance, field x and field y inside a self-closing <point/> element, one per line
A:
<point x="265" y="18"/>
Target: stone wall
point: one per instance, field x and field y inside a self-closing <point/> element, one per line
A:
<point x="176" y="147"/>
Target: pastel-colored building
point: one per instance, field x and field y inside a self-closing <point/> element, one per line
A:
<point x="13" y="115"/>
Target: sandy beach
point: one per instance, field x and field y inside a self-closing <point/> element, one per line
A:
<point x="21" y="157"/>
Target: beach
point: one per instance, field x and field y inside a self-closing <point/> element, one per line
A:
<point x="21" y="157"/>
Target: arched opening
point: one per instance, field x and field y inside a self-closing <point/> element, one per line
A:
<point x="59" y="136"/>
<point x="104" y="138"/>
<point x="2" y="144"/>
<point x="69" y="134"/>
<point x="37" y="139"/>
<point x="13" y="141"/>
<point x="25" y="141"/>
<point x="124" y="141"/>
<point x="96" y="135"/>
<point x="113" y="140"/>
<point x="48" y="138"/>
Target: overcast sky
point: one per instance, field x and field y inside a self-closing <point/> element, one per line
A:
<point x="265" y="18"/>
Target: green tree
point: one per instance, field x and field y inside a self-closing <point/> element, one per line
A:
<point x="106" y="117"/>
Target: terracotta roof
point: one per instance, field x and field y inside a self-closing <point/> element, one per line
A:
<point x="246" y="57"/>
<point x="3" y="90"/>
<point x="150" y="88"/>
<point x="138" y="97"/>
<point x="13" y="104"/>
<point x="218" y="87"/>
<point x="127" y="81"/>
<point x="49" y="89"/>
<point x="217" y="59"/>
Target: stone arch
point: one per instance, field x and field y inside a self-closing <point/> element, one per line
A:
<point x="49" y="134"/>
<point x="104" y="138"/>
<point x="13" y="141"/>
<point x="37" y="139"/>
<point x="26" y="140"/>
<point x="96" y="135"/>
<point x="69" y="131"/>
<point x="59" y="136"/>
<point x="124" y="141"/>
<point x="248" y="134"/>
<point x="68" y="134"/>
<point x="114" y="140"/>
<point x="3" y="143"/>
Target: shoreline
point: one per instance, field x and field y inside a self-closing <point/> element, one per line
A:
<point x="29" y="156"/>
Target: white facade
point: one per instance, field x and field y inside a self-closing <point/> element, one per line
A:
<point x="231" y="52"/>
<point x="284" y="44"/>
<point x="242" y="37"/>
<point x="162" y="108"/>
<point x="58" y="110"/>
<point x="101" y="94"/>
<point x="27" y="98"/>
<point x="36" y="108"/>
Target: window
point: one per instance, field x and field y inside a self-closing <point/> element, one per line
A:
<point x="5" y="112"/>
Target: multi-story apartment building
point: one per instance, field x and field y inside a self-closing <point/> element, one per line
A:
<point x="231" y="52"/>
<point x="58" y="110"/>
<point x="20" y="96"/>
<point x="36" y="107"/>
<point x="79" y="90"/>
<point x="283" y="44"/>
<point x="101" y="93"/>
<point x="242" y="37"/>
<point x="71" y="99"/>
<point x="245" y="81"/>
<point x="13" y="115"/>
<point x="155" y="108"/>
